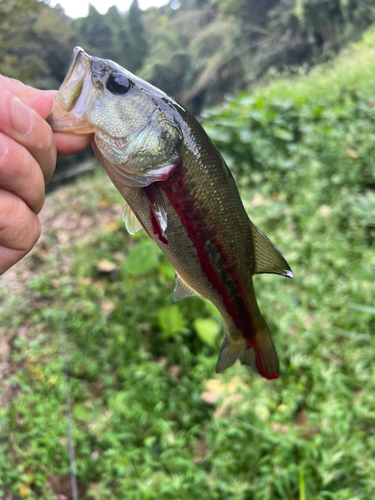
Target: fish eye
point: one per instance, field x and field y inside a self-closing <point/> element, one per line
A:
<point x="118" y="84"/>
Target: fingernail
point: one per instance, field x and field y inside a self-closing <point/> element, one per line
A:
<point x="23" y="117"/>
<point x="3" y="146"/>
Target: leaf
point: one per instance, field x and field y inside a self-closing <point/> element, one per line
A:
<point x="283" y="134"/>
<point x="103" y="202"/>
<point x="142" y="258"/>
<point x="200" y="450"/>
<point x="105" y="266"/>
<point x="83" y="413"/>
<point x="171" y="320"/>
<point x="352" y="153"/>
<point x="229" y="394"/>
<point x="167" y="270"/>
<point x="24" y="491"/>
<point x="207" y="330"/>
<point x="108" y="306"/>
<point x="112" y="226"/>
<point x="363" y="309"/>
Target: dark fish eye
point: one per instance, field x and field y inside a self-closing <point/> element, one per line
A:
<point x="118" y="84"/>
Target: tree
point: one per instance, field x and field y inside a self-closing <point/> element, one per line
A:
<point x="137" y="45"/>
<point x="36" y="42"/>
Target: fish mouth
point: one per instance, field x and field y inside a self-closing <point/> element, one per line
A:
<point x="74" y="96"/>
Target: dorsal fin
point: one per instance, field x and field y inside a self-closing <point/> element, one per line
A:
<point x="268" y="259"/>
<point x="182" y="290"/>
<point x="132" y="223"/>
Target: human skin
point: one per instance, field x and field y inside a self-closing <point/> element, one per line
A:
<point x="28" y="153"/>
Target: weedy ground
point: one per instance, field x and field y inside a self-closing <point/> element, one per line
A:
<point x="151" y="420"/>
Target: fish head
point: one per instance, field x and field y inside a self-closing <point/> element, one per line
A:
<point x="98" y="94"/>
<point x="135" y="135"/>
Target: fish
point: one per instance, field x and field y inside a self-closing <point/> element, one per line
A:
<point x="177" y="186"/>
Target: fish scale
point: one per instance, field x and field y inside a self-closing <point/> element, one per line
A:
<point x="180" y="190"/>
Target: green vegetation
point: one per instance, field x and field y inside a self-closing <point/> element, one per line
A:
<point x="151" y="420"/>
<point x="195" y="50"/>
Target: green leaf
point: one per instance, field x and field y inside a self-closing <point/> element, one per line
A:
<point x="171" y="320"/>
<point x="142" y="258"/>
<point x="363" y="309"/>
<point x="81" y="412"/>
<point x="167" y="270"/>
<point x="283" y="134"/>
<point x="207" y="330"/>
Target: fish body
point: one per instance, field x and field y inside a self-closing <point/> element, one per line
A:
<point x="176" y="186"/>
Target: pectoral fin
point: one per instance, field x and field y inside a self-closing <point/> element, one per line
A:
<point x="182" y="290"/>
<point x="158" y="206"/>
<point x="132" y="223"/>
<point x="268" y="259"/>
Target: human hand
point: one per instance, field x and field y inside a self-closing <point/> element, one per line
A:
<point x="28" y="152"/>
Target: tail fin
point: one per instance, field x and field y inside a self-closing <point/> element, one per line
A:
<point x="260" y="355"/>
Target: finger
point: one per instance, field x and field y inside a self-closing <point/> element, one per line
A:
<point x="26" y="127"/>
<point x="40" y="101"/>
<point x="20" y="173"/>
<point x="19" y="229"/>
<point x="69" y="144"/>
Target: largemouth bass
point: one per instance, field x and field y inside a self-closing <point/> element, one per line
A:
<point x="176" y="186"/>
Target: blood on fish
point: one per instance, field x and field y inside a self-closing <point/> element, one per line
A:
<point x="156" y="228"/>
<point x="178" y="195"/>
<point x="155" y="225"/>
<point x="259" y="365"/>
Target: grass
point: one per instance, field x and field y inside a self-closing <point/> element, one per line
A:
<point x="151" y="420"/>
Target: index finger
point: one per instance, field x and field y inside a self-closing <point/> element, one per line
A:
<point x="41" y="101"/>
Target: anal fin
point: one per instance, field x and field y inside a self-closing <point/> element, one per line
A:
<point x="182" y="289"/>
<point x="259" y="354"/>
<point x="268" y="259"/>
<point x="132" y="223"/>
<point x="229" y="353"/>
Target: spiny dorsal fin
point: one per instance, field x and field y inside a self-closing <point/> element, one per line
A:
<point x="268" y="259"/>
<point x="132" y="224"/>
<point x="182" y="290"/>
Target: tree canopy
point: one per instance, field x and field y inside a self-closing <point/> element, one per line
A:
<point x="196" y="50"/>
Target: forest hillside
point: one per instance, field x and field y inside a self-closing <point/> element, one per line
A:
<point x="151" y="420"/>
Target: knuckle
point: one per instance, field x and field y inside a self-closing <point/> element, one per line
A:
<point x="29" y="231"/>
<point x="44" y="139"/>
<point x="24" y="226"/>
<point x="4" y="148"/>
<point x="36" y="230"/>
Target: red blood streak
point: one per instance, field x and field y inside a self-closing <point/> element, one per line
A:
<point x="156" y="228"/>
<point x="149" y="195"/>
<point x="198" y="229"/>
<point x="260" y="367"/>
<point x="200" y="233"/>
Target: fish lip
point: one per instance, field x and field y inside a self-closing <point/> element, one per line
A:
<point x="65" y="114"/>
<point x="78" y="68"/>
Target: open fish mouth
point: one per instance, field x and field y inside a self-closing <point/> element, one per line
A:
<point x="71" y="101"/>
